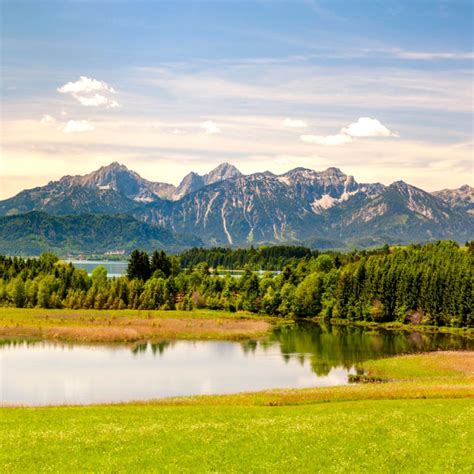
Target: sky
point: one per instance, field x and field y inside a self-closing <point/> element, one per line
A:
<point x="381" y="89"/>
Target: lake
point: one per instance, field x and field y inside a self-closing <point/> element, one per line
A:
<point x="114" y="269"/>
<point x="309" y="355"/>
<point x="119" y="268"/>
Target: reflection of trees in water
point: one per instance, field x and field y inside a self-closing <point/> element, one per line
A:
<point x="137" y="348"/>
<point x="17" y="342"/>
<point x="327" y="347"/>
<point x="159" y="347"/>
<point x="155" y="347"/>
<point x="323" y="346"/>
<point x="249" y="347"/>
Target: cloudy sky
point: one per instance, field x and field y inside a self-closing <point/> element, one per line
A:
<point x="380" y="89"/>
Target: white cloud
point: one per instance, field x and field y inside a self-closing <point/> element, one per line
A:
<point x="77" y="126"/>
<point x="47" y="119"/>
<point x="93" y="101"/>
<point x="85" y="91"/>
<point x="85" y="85"/>
<point x="367" y="127"/>
<point x="434" y="55"/>
<point x="364" y="127"/>
<point x="210" y="127"/>
<point x="294" y="123"/>
<point x="331" y="140"/>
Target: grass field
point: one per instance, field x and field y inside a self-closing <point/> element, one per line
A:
<point x="129" y="325"/>
<point x="365" y="436"/>
<point x="420" y="421"/>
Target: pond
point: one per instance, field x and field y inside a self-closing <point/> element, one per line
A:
<point x="43" y="373"/>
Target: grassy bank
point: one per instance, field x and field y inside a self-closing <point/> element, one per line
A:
<point x="435" y="375"/>
<point x="129" y="325"/>
<point x="422" y="420"/>
<point x="90" y="325"/>
<point x="397" y="326"/>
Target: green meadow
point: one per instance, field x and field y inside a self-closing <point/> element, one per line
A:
<point x="362" y="436"/>
<point x="420" y="420"/>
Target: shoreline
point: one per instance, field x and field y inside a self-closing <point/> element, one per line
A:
<point x="425" y="375"/>
<point x="126" y="325"/>
<point x="396" y="326"/>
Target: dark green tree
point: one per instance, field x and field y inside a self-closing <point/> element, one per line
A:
<point x="139" y="266"/>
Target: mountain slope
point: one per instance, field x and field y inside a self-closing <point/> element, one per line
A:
<point x="306" y="205"/>
<point x="225" y="207"/>
<point x="461" y="198"/>
<point x="262" y="207"/>
<point x="36" y="232"/>
<point x="403" y="213"/>
<point x="110" y="189"/>
<point x="119" y="178"/>
<point x="60" y="199"/>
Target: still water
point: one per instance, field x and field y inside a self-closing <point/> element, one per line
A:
<point x="114" y="269"/>
<point x="42" y="373"/>
<point x="119" y="268"/>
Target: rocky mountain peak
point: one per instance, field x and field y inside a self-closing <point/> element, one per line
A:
<point x="400" y="186"/>
<point x="222" y="172"/>
<point x="226" y="207"/>
<point x="193" y="181"/>
<point x="332" y="171"/>
<point x="114" y="165"/>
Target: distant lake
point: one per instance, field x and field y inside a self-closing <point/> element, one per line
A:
<point x="309" y="355"/>
<point x="114" y="269"/>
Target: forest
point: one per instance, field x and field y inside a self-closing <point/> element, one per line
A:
<point x="273" y="257"/>
<point x="421" y="284"/>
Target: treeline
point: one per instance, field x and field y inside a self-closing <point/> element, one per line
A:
<point x="430" y="284"/>
<point x="261" y="258"/>
<point x="272" y="258"/>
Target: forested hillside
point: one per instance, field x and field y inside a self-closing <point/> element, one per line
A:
<point x="37" y="232"/>
<point x="429" y="284"/>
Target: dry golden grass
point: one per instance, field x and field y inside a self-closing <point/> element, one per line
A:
<point x="462" y="362"/>
<point x="388" y="391"/>
<point x="76" y="327"/>
<point x="430" y="366"/>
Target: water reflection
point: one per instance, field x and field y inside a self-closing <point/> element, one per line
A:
<point x="329" y="346"/>
<point x="40" y="373"/>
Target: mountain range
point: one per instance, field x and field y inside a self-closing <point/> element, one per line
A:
<point x="226" y="207"/>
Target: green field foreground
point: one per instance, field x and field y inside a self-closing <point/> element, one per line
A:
<point x="422" y="420"/>
<point x="364" y="436"/>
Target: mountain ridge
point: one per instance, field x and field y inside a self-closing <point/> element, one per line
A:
<point x="461" y="198"/>
<point x="226" y="207"/>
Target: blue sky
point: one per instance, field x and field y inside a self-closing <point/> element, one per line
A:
<point x="174" y="86"/>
